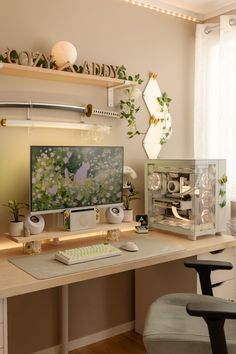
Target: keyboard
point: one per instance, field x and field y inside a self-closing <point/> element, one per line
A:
<point x="87" y="253"/>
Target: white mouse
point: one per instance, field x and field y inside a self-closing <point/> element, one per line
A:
<point x="129" y="246"/>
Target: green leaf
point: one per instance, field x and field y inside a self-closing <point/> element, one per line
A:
<point x="223" y="180"/>
<point x="222" y="192"/>
<point x="222" y="204"/>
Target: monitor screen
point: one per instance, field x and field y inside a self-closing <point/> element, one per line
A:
<point x="71" y="177"/>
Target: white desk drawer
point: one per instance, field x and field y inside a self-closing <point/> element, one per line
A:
<point x="225" y="290"/>
<point x="226" y="255"/>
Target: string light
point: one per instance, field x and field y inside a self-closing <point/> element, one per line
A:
<point x="163" y="11"/>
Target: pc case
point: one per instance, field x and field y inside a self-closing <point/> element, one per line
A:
<point x="186" y="196"/>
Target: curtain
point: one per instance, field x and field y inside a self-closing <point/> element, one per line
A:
<point x="215" y="95"/>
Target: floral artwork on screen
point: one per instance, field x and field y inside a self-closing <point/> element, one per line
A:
<point x="66" y="177"/>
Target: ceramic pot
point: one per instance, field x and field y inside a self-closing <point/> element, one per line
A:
<point x="128" y="215"/>
<point x="16" y="228"/>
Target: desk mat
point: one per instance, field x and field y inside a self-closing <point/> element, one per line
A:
<point x="44" y="266"/>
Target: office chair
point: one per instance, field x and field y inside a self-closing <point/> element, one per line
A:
<point x="192" y="323"/>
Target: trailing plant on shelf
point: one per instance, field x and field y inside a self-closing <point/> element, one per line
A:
<point x="128" y="105"/>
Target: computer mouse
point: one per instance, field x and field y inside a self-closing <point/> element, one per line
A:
<point x="129" y="246"/>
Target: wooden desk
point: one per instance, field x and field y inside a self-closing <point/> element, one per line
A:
<point x="14" y="281"/>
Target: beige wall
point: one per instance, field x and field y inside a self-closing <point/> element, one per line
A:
<point x="104" y="31"/>
<point x="217" y="18"/>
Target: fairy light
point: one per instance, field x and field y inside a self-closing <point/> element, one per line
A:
<point x="163" y="11"/>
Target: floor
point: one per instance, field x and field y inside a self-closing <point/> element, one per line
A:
<point x="126" y="343"/>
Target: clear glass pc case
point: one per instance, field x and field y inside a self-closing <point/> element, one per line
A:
<point x="186" y="196"/>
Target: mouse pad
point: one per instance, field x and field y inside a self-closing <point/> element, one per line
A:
<point x="44" y="266"/>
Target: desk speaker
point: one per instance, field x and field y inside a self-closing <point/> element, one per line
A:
<point x="115" y="215"/>
<point x="35" y="224"/>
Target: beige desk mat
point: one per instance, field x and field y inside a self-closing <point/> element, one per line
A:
<point x="44" y="266"/>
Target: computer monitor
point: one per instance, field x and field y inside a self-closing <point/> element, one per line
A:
<point x="72" y="177"/>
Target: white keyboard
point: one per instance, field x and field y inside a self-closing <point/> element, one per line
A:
<point x="87" y="253"/>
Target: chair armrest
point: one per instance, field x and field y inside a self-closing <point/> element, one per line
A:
<point x="204" y="269"/>
<point x="215" y="310"/>
<point x="205" y="264"/>
<point x="214" y="314"/>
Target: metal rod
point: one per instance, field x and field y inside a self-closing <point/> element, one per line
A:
<point x="209" y="29"/>
<point x="232" y="21"/>
<point x="31" y="123"/>
<point x="86" y="110"/>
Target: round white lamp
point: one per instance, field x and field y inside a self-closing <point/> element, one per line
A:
<point x="64" y="52"/>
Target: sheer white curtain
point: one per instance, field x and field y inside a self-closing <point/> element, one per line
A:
<point x="215" y="95"/>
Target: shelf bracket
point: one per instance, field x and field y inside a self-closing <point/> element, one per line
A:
<point x="110" y="92"/>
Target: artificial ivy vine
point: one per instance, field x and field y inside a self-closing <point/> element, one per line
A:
<point x="164" y="102"/>
<point x="222" y="181"/>
<point x="127" y="105"/>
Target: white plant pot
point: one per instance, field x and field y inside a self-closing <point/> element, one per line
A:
<point x="128" y="215"/>
<point x="16" y="228"/>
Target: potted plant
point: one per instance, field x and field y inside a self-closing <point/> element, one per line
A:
<point x="129" y="194"/>
<point x="16" y="225"/>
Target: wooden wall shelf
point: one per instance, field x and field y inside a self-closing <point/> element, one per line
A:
<point x="37" y="73"/>
<point x="62" y="76"/>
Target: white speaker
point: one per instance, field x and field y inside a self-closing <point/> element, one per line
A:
<point x="35" y="224"/>
<point x="115" y="215"/>
<point x="80" y="219"/>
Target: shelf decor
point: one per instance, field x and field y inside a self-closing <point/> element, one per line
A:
<point x="63" y="53"/>
<point x="63" y="57"/>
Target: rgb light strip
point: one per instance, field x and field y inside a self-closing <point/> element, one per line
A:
<point x="173" y="13"/>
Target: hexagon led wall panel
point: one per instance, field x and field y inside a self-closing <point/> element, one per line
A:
<point x="160" y="122"/>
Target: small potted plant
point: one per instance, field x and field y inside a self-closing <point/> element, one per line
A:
<point x="16" y="225"/>
<point x="129" y="194"/>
